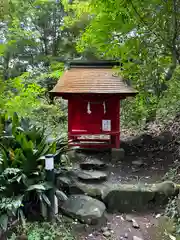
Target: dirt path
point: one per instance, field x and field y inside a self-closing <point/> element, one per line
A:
<point x="154" y="162"/>
<point x="121" y="229"/>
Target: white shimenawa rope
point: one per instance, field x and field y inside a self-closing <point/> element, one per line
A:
<point x="104" y="105"/>
<point x="88" y="108"/>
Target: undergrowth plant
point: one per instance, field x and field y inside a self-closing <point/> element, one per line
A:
<point x="22" y="181"/>
<point x="22" y="145"/>
<point x="146" y="106"/>
<point x="29" y="98"/>
<point x="18" y="96"/>
<point x="45" y="231"/>
<point x="16" y="191"/>
<point x="165" y="230"/>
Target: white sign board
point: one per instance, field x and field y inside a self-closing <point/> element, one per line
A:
<point x="106" y="125"/>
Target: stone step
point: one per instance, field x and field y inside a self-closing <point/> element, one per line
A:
<point x="74" y="186"/>
<point x="123" y="197"/>
<point x="84" y="208"/>
<point x="93" y="164"/>
<point x="91" y="176"/>
<point x="126" y="198"/>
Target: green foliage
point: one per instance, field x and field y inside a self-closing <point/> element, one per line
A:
<point x="147" y="106"/>
<point x="4" y="7"/>
<point x="28" y="99"/>
<point x="16" y="189"/>
<point x="169" y="104"/>
<point x="172" y="211"/>
<point x="22" y="151"/>
<point x="143" y="36"/>
<point x="23" y="145"/>
<point x="17" y="96"/>
<point x="33" y="37"/>
<point x="172" y="174"/>
<point x="56" y="69"/>
<point x="137" y="111"/>
<point x="53" y="117"/>
<point x="46" y="231"/>
<point x="164" y="230"/>
<point x="32" y="50"/>
<point x="9" y="207"/>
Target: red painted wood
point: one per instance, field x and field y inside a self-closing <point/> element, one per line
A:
<point x="93" y="140"/>
<point x="82" y="123"/>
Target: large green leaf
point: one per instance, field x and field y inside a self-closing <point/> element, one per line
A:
<point x="17" y="203"/>
<point x="61" y="195"/>
<point x="4" y="221"/>
<point x="19" y="157"/>
<point x="28" y="147"/>
<point x="11" y="171"/>
<point x="52" y="148"/>
<point x="46" y="200"/>
<point x="11" y="204"/>
<point x="37" y="187"/>
<point x="4" y="157"/>
<point x="22" y="217"/>
<point x="15" y="122"/>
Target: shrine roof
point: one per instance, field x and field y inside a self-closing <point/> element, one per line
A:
<point x="92" y="77"/>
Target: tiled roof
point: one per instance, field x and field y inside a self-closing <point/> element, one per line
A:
<point x="92" y="79"/>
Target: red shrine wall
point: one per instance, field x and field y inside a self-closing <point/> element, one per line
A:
<point x="86" y="114"/>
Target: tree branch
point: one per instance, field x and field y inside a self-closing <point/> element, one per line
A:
<point x="172" y="46"/>
<point x="149" y="26"/>
<point x="175" y="28"/>
<point x="175" y="54"/>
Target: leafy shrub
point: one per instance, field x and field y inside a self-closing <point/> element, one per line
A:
<point x="16" y="190"/>
<point x="172" y="174"/>
<point x="27" y="95"/>
<point x="164" y="230"/>
<point x="135" y="112"/>
<point x="22" y="180"/>
<point x="53" y="117"/>
<point x="169" y="104"/>
<point x="23" y="145"/>
<point x="147" y="106"/>
<point x="168" y="226"/>
<point x="18" y="96"/>
<point x="45" y="231"/>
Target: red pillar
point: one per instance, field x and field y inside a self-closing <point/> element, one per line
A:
<point x="69" y="118"/>
<point x="117" y="141"/>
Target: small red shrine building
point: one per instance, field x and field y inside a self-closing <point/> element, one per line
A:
<point x="93" y="92"/>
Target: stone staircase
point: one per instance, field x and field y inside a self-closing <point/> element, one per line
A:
<point x="92" y="171"/>
<point x="90" y="192"/>
<point x="83" y="184"/>
<point x="84" y="177"/>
